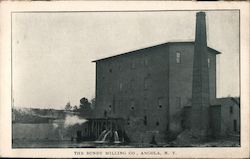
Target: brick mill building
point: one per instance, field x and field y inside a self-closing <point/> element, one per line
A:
<point x="161" y="90"/>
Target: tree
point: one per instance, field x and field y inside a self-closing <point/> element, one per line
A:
<point x="75" y="108"/>
<point x="93" y="103"/>
<point x="68" y="106"/>
<point x="84" y="104"/>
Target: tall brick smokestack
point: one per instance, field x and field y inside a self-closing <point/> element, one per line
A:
<point x="200" y="88"/>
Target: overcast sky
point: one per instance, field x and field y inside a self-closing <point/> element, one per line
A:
<point x="52" y="52"/>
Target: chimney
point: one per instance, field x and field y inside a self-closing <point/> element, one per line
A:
<point x="200" y="87"/>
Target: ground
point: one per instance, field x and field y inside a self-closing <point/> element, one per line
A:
<point x="227" y="142"/>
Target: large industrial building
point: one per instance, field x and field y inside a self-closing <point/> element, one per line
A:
<point x="157" y="92"/>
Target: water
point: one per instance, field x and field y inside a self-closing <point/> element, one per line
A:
<point x="102" y="135"/>
<point x="107" y="137"/>
<point x="51" y="144"/>
<point x="64" y="144"/>
<point x="116" y="137"/>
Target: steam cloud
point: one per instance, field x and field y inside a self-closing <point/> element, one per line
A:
<point x="72" y="120"/>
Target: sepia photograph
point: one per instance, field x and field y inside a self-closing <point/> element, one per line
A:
<point x="126" y="79"/>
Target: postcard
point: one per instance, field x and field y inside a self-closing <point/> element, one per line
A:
<point x="125" y="79"/>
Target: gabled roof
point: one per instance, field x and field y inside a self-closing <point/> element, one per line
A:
<point x="168" y="43"/>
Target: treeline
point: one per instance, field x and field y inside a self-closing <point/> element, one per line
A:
<point x="85" y="106"/>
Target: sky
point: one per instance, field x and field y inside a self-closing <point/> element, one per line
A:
<point x="52" y="53"/>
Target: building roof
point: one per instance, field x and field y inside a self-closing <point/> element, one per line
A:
<point x="226" y="101"/>
<point x="167" y="43"/>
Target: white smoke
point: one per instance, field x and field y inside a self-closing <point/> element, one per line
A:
<point x="72" y="120"/>
<point x="55" y="125"/>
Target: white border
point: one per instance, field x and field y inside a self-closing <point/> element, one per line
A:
<point x="5" y="83"/>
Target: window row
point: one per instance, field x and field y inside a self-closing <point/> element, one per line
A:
<point x="132" y="84"/>
<point x="160" y="103"/>
<point x="132" y="104"/>
<point x="133" y="64"/>
<point x="145" y="121"/>
<point x="178" y="60"/>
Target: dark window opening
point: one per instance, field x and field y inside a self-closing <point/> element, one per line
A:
<point x="167" y="126"/>
<point x="105" y="113"/>
<point x="145" y="121"/>
<point x="110" y="70"/>
<point x="235" y="125"/>
<point x="128" y="121"/>
<point x="79" y="134"/>
<point x="160" y="102"/>
<point x="132" y="106"/>
<point x="231" y="109"/>
<point x="182" y="124"/>
<point x="110" y="107"/>
<point x="157" y="123"/>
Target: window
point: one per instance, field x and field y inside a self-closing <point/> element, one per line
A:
<point x="145" y="120"/>
<point x="128" y="120"/>
<point x="178" y="57"/>
<point x="235" y="125"/>
<point x="105" y="113"/>
<point x="110" y="70"/>
<point x="182" y="124"/>
<point x="231" y="110"/>
<point x="208" y="62"/>
<point x="146" y="83"/>
<point x="160" y="102"/>
<point x="178" y="102"/>
<point x="157" y="123"/>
